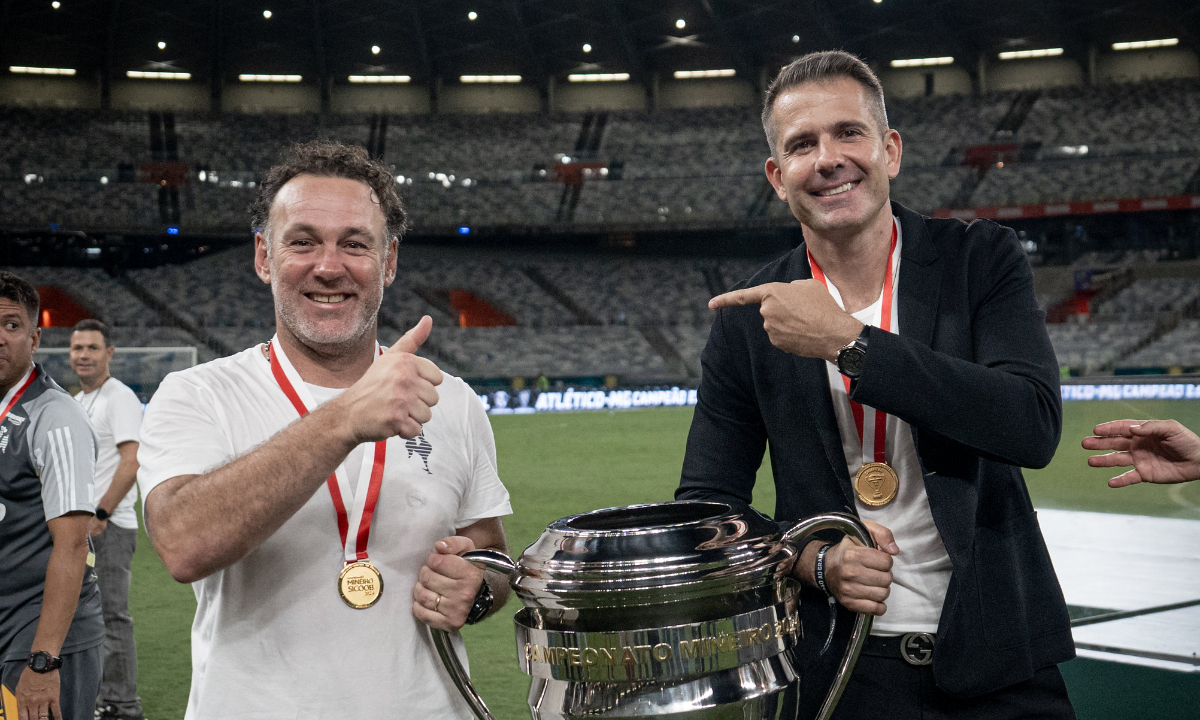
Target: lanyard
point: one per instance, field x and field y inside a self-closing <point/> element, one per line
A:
<point x="339" y="487"/>
<point x="8" y="406"/>
<point x="885" y="323"/>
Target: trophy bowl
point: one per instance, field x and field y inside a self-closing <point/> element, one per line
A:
<point x="685" y="610"/>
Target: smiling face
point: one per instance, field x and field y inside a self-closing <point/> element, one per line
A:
<point x="88" y="354"/>
<point x="328" y="261"/>
<point x="18" y="342"/>
<point x="832" y="160"/>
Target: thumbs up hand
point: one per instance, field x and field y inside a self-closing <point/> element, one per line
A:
<point x="397" y="393"/>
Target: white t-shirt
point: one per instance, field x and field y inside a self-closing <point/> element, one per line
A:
<point x="921" y="572"/>
<point x="272" y="637"/>
<point x="116" y="415"/>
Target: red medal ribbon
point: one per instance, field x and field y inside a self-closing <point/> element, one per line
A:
<point x="885" y="324"/>
<point x="12" y="403"/>
<point x="339" y="505"/>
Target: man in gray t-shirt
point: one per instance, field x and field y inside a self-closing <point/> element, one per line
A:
<point x="51" y="629"/>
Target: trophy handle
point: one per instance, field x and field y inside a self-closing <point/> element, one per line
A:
<point x="486" y="560"/>
<point x="851" y="526"/>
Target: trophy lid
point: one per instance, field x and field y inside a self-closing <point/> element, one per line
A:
<point x="649" y="554"/>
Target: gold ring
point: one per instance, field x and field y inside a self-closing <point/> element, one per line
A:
<point x="437" y="603"/>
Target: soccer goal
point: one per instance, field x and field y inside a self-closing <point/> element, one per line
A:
<point x="141" y="368"/>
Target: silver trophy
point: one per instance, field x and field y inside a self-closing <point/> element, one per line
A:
<point x="684" y="610"/>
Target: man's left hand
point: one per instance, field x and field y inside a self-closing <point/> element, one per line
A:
<point x="800" y="317"/>
<point x="447" y="576"/>
<point x="37" y="695"/>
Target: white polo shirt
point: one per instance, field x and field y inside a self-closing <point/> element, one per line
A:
<point x="116" y="416"/>
<point x="272" y="638"/>
<point x="921" y="572"/>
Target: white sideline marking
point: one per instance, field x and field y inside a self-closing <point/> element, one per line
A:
<point x="1129" y="562"/>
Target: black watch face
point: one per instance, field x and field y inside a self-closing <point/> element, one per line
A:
<point x="40" y="662"/>
<point x="850" y="361"/>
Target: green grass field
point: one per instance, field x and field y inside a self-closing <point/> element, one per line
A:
<point x="557" y="465"/>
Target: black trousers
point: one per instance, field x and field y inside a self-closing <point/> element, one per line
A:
<point x="891" y="689"/>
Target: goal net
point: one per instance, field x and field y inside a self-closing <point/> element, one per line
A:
<point x="141" y="368"/>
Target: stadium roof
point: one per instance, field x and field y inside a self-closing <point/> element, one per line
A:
<point x="537" y="39"/>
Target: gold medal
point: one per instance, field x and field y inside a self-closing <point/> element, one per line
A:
<point x="360" y="585"/>
<point x="876" y="484"/>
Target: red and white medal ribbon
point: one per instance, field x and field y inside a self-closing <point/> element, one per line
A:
<point x="14" y="394"/>
<point x="877" y="450"/>
<point x="370" y="476"/>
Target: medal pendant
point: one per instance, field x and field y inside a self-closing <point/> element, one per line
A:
<point x="360" y="584"/>
<point x="876" y="484"/>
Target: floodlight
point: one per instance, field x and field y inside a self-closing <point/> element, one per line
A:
<point x="681" y="23"/>
<point x="597" y="77"/>
<point x="489" y="78"/>
<point x="157" y="75"/>
<point x="694" y="74"/>
<point x="1024" y="54"/>
<point x="267" y="14"/>
<point x="24" y="70"/>
<point x="379" y="79"/>
<point x="922" y="62"/>
<point x="1145" y="44"/>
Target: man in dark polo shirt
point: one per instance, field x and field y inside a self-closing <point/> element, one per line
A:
<point x="51" y="629"/>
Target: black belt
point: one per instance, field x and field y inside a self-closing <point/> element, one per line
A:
<point x="912" y="648"/>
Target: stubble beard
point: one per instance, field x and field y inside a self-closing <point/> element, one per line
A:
<point x="324" y="339"/>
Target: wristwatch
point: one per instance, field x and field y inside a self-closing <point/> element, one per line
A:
<point x="850" y="359"/>
<point x="43" y="662"/>
<point x="483" y="602"/>
<point x="101" y="513"/>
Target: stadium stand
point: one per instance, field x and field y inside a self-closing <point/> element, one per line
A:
<point x="1089" y="347"/>
<point x="1118" y="119"/>
<point x="634" y="292"/>
<point x="1091" y="179"/>
<point x="1178" y="348"/>
<point x="1153" y="296"/>
<point x="104" y="296"/>
<point x="700" y="166"/>
<point x="557" y="351"/>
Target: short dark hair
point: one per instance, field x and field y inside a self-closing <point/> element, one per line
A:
<point x="328" y="158"/>
<point x="823" y="67"/>
<point x="19" y="290"/>
<point x="93" y="325"/>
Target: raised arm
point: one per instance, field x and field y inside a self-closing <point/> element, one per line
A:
<point x="200" y="524"/>
<point x="1005" y="402"/>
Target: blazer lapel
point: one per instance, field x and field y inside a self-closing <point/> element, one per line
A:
<point x="920" y="278"/>
<point x="812" y="375"/>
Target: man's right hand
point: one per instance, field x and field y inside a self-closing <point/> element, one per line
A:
<point x="37" y="695"/>
<point x="1160" y="451"/>
<point x="396" y="394"/>
<point x="861" y="577"/>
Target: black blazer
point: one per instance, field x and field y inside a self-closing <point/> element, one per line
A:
<point x="974" y="374"/>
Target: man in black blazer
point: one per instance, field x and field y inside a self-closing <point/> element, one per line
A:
<point x="900" y="369"/>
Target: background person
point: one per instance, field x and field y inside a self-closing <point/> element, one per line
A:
<point x="116" y="416"/>
<point x="273" y="477"/>
<point x="900" y="368"/>
<point x="1160" y="451"/>
<point x="51" y="631"/>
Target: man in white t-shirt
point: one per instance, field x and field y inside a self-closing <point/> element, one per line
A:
<point x="116" y="415"/>
<point x="316" y="490"/>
